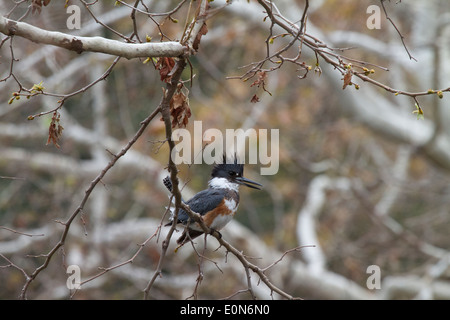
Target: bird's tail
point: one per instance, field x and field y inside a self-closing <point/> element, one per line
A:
<point x="188" y="234"/>
<point x="168" y="183"/>
<point x="169" y="187"/>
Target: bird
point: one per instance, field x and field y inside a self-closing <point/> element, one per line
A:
<point x="218" y="204"/>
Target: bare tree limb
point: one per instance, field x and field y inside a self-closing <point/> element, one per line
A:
<point x="93" y="44"/>
<point x="193" y="33"/>
<point x="165" y="111"/>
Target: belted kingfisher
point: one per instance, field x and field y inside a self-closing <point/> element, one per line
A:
<point x="218" y="204"/>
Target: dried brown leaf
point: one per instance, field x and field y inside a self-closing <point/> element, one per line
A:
<point x="165" y="66"/>
<point x="254" y="99"/>
<point x="261" y="80"/>
<point x="179" y="110"/>
<point x="347" y="79"/>
<point x="36" y="5"/>
<point x="203" y="30"/>
<point x="55" y="130"/>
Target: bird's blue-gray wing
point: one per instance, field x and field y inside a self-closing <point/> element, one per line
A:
<point x="202" y="203"/>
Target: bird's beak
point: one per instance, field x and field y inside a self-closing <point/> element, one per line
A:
<point x="249" y="183"/>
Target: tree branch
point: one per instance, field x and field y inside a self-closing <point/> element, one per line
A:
<point x="165" y="112"/>
<point x="93" y="44"/>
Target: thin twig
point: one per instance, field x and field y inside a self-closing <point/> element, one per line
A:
<point x="22" y="233"/>
<point x="398" y="31"/>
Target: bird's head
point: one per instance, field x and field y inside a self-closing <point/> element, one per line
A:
<point x="233" y="172"/>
